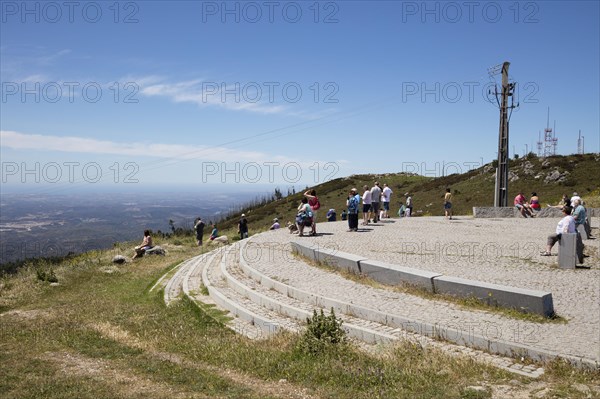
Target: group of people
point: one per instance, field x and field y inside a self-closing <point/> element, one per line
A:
<point x="526" y="208"/>
<point x="376" y="202"/>
<point x="574" y="215"/>
<point x="199" y="229"/>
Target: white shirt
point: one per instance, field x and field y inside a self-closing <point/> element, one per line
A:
<point x="367" y="197"/>
<point x="387" y="192"/>
<point x="566" y="225"/>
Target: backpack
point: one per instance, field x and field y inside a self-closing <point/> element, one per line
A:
<point x="316" y="204"/>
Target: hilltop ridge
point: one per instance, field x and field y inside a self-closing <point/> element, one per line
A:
<point x="549" y="177"/>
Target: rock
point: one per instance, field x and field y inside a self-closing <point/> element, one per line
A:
<point x="528" y="168"/>
<point x="54" y="284"/>
<point x="542" y="393"/>
<point x="556" y="177"/>
<point x="512" y="176"/>
<point x="546" y="163"/>
<point x="156" y="250"/>
<point x="582" y="388"/>
<point x="119" y="259"/>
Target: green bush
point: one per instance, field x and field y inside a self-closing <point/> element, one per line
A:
<point x="322" y="333"/>
<point x="50" y="277"/>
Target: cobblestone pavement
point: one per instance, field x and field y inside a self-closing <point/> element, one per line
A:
<point x="500" y="251"/>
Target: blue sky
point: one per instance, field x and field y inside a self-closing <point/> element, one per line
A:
<point x="188" y="93"/>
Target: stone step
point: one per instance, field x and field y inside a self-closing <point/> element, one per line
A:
<point x="368" y="325"/>
<point x="173" y="288"/>
<point x="239" y="305"/>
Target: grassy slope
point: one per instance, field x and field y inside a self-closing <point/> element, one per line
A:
<point x="474" y="188"/>
<point x="101" y="334"/>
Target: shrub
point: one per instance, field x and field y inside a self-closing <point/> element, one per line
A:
<point x="322" y="333"/>
<point x="50" y="277"/>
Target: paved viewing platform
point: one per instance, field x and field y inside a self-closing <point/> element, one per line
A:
<point x="267" y="287"/>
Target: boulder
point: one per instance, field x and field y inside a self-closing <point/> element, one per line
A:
<point x="119" y="259"/>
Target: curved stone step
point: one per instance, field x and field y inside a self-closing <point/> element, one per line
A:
<point x="173" y="288"/>
<point x="238" y="305"/>
<point x="371" y="325"/>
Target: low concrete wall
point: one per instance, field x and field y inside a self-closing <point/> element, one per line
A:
<point x="497" y="295"/>
<point x="511" y="211"/>
<point x="530" y="301"/>
<point x="393" y="274"/>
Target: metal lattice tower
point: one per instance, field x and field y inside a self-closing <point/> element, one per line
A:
<point x="550" y="142"/>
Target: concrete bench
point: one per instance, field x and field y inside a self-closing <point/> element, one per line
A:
<point x="530" y="301"/>
<point x="498" y="295"/>
<point x="570" y="250"/>
<point x="387" y="273"/>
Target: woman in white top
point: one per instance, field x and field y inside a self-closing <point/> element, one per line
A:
<point x="366" y="205"/>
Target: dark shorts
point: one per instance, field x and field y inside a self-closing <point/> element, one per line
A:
<point x="448" y="205"/>
<point x="375" y="206"/>
<point x="366" y="208"/>
<point x="386" y="206"/>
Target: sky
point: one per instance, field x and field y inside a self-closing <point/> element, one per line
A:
<point x="185" y="95"/>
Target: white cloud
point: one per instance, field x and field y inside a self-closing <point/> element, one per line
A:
<point x="23" y="141"/>
<point x="205" y="93"/>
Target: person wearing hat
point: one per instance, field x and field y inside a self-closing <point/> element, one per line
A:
<point x="275" y="224"/>
<point x="243" y="227"/>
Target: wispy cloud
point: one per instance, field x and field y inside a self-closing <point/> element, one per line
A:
<point x="23" y="141"/>
<point x="204" y="93"/>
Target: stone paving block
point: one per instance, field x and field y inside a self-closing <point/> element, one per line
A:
<point x="388" y="273"/>
<point x="499" y="295"/>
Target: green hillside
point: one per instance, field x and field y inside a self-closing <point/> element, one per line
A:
<point x="548" y="177"/>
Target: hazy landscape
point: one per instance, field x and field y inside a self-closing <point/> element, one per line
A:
<point x="33" y="225"/>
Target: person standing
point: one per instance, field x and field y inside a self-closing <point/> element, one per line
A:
<point x="386" y="196"/>
<point x="448" y="204"/>
<point x="409" y="206"/>
<point x="199" y="228"/>
<point x="243" y="227"/>
<point x="353" y="202"/>
<point x="375" y="201"/>
<point x="366" y="205"/>
<point x="313" y="202"/>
